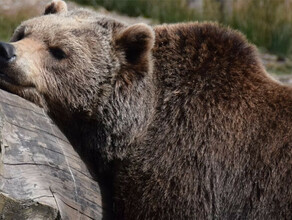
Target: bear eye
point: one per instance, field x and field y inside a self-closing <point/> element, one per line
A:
<point x="57" y="53"/>
<point x="20" y="36"/>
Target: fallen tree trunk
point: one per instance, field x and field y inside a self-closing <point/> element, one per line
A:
<point x="41" y="176"/>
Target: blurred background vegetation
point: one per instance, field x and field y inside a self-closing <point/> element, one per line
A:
<point x="9" y="22"/>
<point x="266" y="23"/>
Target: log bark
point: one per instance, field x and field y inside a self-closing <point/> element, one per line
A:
<point x="41" y="175"/>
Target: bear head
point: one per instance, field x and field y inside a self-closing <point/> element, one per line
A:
<point x="75" y="61"/>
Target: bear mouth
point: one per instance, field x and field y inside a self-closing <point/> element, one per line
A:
<point x="7" y="82"/>
<point x="4" y="77"/>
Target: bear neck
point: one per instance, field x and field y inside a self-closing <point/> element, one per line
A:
<point x="127" y="115"/>
<point x="122" y="121"/>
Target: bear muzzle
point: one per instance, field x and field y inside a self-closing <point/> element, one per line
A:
<point x="7" y="56"/>
<point x="12" y="73"/>
<point x="7" y="53"/>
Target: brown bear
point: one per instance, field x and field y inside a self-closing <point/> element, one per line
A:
<point x="182" y="118"/>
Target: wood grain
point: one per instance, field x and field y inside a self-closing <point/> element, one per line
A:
<point x="41" y="175"/>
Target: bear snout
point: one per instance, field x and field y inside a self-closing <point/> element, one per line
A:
<point x="20" y="63"/>
<point x="7" y="53"/>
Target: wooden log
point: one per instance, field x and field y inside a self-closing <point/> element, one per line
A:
<point x="41" y="175"/>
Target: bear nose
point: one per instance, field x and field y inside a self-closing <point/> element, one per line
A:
<point x="7" y="51"/>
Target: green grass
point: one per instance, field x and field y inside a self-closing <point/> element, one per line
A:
<point x="7" y="26"/>
<point x="266" y="23"/>
<point x="280" y="68"/>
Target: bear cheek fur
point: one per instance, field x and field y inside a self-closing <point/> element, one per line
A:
<point x="29" y="63"/>
<point x="75" y="85"/>
<point x="26" y="71"/>
<point x="80" y="82"/>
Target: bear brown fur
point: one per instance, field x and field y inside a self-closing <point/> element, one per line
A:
<point x="182" y="118"/>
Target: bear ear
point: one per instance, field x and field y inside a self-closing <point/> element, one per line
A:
<point x="136" y="42"/>
<point x="56" y="7"/>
